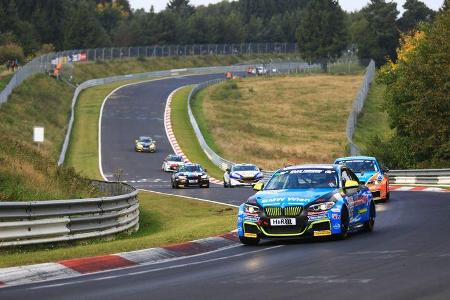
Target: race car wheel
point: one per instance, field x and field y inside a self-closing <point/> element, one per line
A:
<point x="344" y="224"/>
<point x="225" y="185"/>
<point x="369" y="224"/>
<point x="387" y="196"/>
<point x="249" y="241"/>
<point x="205" y="186"/>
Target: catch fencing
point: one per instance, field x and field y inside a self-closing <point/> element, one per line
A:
<point x="45" y="63"/>
<point x="35" y="222"/>
<point x="358" y="105"/>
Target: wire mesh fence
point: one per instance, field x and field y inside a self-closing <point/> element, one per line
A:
<point x="45" y="63"/>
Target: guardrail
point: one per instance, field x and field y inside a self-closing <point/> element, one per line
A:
<point x="35" y="222"/>
<point x="420" y="176"/>
<point x="219" y="161"/>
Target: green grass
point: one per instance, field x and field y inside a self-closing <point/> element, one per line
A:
<point x="4" y="80"/>
<point x="373" y="119"/>
<point x="164" y="220"/>
<point x="185" y="134"/>
<point x="273" y="121"/>
<point x="26" y="171"/>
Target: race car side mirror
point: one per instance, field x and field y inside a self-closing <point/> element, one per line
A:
<point x="227" y="170"/>
<point x="258" y="186"/>
<point x="205" y="170"/>
<point x="261" y="169"/>
<point x="385" y="169"/>
<point x="351" y="184"/>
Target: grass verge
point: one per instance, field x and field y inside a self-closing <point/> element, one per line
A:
<point x="273" y="121"/>
<point x="185" y="133"/>
<point x="163" y="222"/>
<point x="373" y="120"/>
<point x="29" y="172"/>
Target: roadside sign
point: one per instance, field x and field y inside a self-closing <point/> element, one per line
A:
<point x="38" y="134"/>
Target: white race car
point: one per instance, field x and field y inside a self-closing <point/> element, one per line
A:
<point x="242" y="175"/>
<point x="172" y="162"/>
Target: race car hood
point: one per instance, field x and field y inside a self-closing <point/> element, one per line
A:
<point x="285" y="198"/>
<point x="365" y="176"/>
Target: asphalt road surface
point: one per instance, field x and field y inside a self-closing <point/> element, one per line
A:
<point x="406" y="257"/>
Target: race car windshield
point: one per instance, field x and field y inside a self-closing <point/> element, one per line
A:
<point x="174" y="158"/>
<point x="145" y="140"/>
<point x="244" y="168"/>
<point x="303" y="179"/>
<point x="190" y="169"/>
<point x="359" y="166"/>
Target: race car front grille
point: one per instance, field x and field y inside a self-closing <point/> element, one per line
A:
<point x="284" y="229"/>
<point x="290" y="211"/>
<point x="273" y="211"/>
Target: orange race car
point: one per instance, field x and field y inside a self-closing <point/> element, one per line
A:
<point x="370" y="173"/>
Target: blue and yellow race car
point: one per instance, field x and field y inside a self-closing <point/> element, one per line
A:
<point x="306" y="200"/>
<point x="370" y="173"/>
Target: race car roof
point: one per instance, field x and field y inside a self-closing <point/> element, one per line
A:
<point x="312" y="166"/>
<point x="356" y="158"/>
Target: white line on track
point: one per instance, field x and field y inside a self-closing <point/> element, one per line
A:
<point x="155" y="270"/>
<point x="188" y="197"/>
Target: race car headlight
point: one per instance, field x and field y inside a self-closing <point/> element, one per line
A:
<point x="182" y="177"/>
<point x="235" y="175"/>
<point x="321" y="206"/>
<point x="152" y="145"/>
<point x="204" y="176"/>
<point x="251" y="209"/>
<point x="375" y="179"/>
<point x="139" y="146"/>
<point x="259" y="175"/>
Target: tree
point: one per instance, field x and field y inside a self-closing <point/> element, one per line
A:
<point x="417" y="97"/>
<point x="322" y="33"/>
<point x="83" y="29"/>
<point x="378" y="37"/>
<point x="180" y="7"/>
<point x="415" y="12"/>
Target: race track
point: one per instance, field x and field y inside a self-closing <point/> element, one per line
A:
<point x="406" y="257"/>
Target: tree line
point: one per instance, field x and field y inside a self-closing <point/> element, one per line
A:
<point x="321" y="27"/>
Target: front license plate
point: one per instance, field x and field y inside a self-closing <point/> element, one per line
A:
<point x="283" y="222"/>
<point x="193" y="181"/>
<point x="322" y="232"/>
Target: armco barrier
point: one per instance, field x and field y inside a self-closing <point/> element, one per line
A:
<point x="34" y="222"/>
<point x="440" y="177"/>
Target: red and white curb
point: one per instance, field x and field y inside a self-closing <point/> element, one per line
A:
<point x="171" y="136"/>
<point x="401" y="188"/>
<point x="81" y="266"/>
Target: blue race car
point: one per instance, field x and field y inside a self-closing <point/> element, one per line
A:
<point x="306" y="200"/>
<point x="370" y="173"/>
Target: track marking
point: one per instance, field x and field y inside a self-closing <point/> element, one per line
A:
<point x="157" y="269"/>
<point x="188" y="197"/>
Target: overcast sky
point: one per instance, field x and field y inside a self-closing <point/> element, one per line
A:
<point x="348" y="5"/>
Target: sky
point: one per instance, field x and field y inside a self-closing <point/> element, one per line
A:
<point x="348" y="5"/>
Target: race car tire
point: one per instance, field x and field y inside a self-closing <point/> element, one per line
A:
<point x="388" y="194"/>
<point x="344" y="224"/>
<point x="205" y="186"/>
<point x="249" y="241"/>
<point x="225" y="185"/>
<point x="370" y="224"/>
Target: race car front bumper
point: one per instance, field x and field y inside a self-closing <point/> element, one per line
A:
<point x="197" y="181"/>
<point x="324" y="224"/>
<point x="244" y="182"/>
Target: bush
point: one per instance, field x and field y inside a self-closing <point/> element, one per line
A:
<point x="11" y="51"/>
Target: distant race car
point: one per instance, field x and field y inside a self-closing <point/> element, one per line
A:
<point x="172" y="162"/>
<point x="370" y="173"/>
<point x="190" y="175"/>
<point x="307" y="200"/>
<point x="242" y="175"/>
<point x="145" y="144"/>
<point x="261" y="70"/>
